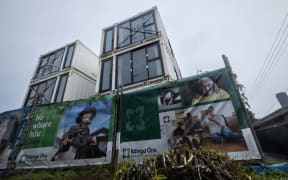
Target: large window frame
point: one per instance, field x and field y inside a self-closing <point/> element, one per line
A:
<point x="62" y="79"/>
<point x="34" y="89"/>
<point x="105" y="40"/>
<point x="47" y="64"/>
<point x="102" y="74"/>
<point x="133" y="31"/>
<point x="147" y="60"/>
<point x="65" y="65"/>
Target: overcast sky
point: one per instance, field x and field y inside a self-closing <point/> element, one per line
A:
<point x="199" y="32"/>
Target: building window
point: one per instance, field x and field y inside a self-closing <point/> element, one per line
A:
<point x="46" y="88"/>
<point x="50" y="63"/>
<point x="139" y="65"/>
<point x="108" y="40"/>
<point x="106" y="75"/>
<point x="136" y="30"/>
<point x="69" y="56"/>
<point x="61" y="88"/>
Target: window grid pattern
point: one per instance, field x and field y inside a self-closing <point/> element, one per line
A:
<point x="139" y="65"/>
<point x="50" y="64"/>
<point x="136" y="30"/>
<point x="46" y="88"/>
<point x="61" y="88"/>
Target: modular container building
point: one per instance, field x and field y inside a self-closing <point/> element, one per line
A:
<point x="135" y="53"/>
<point x="67" y="73"/>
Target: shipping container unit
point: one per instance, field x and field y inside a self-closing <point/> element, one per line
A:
<point x="135" y="53"/>
<point x="67" y="73"/>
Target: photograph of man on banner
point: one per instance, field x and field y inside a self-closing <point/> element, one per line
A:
<point x="77" y="141"/>
<point x="218" y="128"/>
<point x="221" y="128"/>
<point x="205" y="89"/>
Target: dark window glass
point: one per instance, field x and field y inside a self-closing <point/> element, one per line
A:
<point x="69" y="56"/>
<point x="108" y="44"/>
<point x="123" y="34"/>
<point x="57" y="60"/>
<point x="150" y="31"/>
<point x="123" y="69"/>
<point x="136" y="30"/>
<point x="153" y="52"/>
<point x="139" y="65"/>
<point x="106" y="75"/>
<point x="148" y="19"/>
<point x="61" y="88"/>
<point x="46" y="88"/>
<point x="50" y="63"/>
<point x="155" y="68"/>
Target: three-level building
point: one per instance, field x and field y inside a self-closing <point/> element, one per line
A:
<point x="64" y="74"/>
<point x="135" y="53"/>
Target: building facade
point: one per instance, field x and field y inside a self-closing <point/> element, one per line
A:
<point x="64" y="74"/>
<point x="135" y="53"/>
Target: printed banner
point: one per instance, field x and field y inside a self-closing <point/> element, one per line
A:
<point x="197" y="111"/>
<point x="69" y="134"/>
<point x="11" y="123"/>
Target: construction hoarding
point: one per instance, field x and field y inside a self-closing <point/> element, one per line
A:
<point x="203" y="110"/>
<point x="11" y="122"/>
<point x="69" y="134"/>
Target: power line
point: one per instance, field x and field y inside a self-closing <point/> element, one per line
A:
<point x="270" y="51"/>
<point x="266" y="61"/>
<point x="274" y="62"/>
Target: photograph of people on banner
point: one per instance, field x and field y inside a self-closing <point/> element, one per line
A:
<point x="199" y="111"/>
<point x="212" y="125"/>
<point x="205" y="89"/>
<point x="10" y="123"/>
<point x="83" y="131"/>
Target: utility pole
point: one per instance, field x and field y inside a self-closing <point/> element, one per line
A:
<point x="234" y="84"/>
<point x="116" y="134"/>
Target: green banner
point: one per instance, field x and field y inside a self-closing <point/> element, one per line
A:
<point x="139" y="116"/>
<point x="69" y="133"/>
<point x="203" y="110"/>
<point x="44" y="126"/>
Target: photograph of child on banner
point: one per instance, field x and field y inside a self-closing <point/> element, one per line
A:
<point x="77" y="142"/>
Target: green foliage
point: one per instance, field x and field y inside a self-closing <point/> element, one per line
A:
<point x="85" y="172"/>
<point x="193" y="164"/>
<point x="176" y="164"/>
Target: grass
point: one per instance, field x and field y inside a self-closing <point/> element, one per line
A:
<point x="194" y="164"/>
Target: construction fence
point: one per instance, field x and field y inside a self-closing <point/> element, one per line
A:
<point x="199" y="111"/>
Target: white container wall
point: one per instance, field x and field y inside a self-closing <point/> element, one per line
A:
<point x="78" y="86"/>
<point x="67" y="73"/>
<point x="85" y="60"/>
